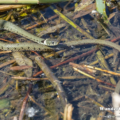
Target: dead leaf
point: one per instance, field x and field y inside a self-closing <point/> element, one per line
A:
<point x="83" y="4"/>
<point x="22" y="60"/>
<point x="22" y="67"/>
<point x="85" y="11"/>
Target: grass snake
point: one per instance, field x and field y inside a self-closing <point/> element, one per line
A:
<point x="6" y="25"/>
<point x="93" y="41"/>
<point x="43" y="44"/>
<point x="37" y="47"/>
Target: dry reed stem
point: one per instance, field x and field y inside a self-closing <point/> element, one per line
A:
<point x="90" y="76"/>
<point x="68" y="112"/>
<point x="38" y="79"/>
<point x="8" y="7"/>
<point x="107" y="71"/>
<point x="108" y="88"/>
<point x="7" y="63"/>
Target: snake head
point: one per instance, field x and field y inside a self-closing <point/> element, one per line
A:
<point x="51" y="42"/>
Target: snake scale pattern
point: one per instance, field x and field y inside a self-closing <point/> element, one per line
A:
<point x="41" y="44"/>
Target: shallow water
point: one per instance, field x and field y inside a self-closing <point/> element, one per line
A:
<point x="81" y="91"/>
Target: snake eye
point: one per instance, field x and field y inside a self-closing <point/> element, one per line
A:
<point x="42" y="41"/>
<point x="53" y="42"/>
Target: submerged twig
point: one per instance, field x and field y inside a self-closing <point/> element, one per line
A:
<point x="104" y="65"/>
<point x="83" y="68"/>
<point x="27" y="78"/>
<point x="107" y="71"/>
<point x="6" y="86"/>
<point x="69" y="60"/>
<point x="38" y="79"/>
<point x="40" y="105"/>
<point x="7" y="63"/>
<point x="106" y="57"/>
<point x="90" y="76"/>
<point x="25" y="102"/>
<point x="54" y="80"/>
<point x="98" y="104"/>
<point x="108" y="88"/>
<point x="22" y="67"/>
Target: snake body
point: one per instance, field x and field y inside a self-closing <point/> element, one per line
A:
<point x="37" y="47"/>
<point x="24" y="46"/>
<point x="93" y="41"/>
<point x="5" y="25"/>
